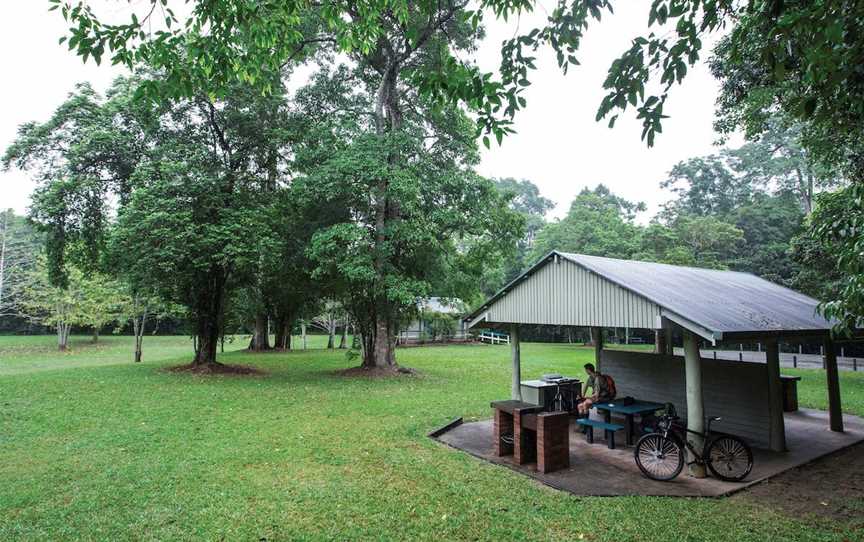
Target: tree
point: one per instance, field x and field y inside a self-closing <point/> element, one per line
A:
<point x="20" y="246"/>
<point x="60" y="308"/>
<point x="188" y="232"/>
<point x="706" y="186"/>
<point x="215" y="164"/>
<point x="138" y="310"/>
<point x="328" y="319"/>
<point x="803" y="60"/>
<point x="598" y="223"/>
<point x="837" y="223"/>
<point x="203" y="162"/>
<point x="81" y="158"/>
<point x="778" y="162"/>
<point x="764" y="188"/>
<point x="415" y="218"/>
<point x="527" y="201"/>
<point x="818" y="273"/>
<point x="772" y="47"/>
<point x="769" y="224"/>
<point x="102" y="302"/>
<point x="710" y="241"/>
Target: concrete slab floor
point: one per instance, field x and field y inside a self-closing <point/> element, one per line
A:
<point x="614" y="472"/>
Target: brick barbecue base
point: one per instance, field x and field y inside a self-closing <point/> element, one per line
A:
<point x="522" y="430"/>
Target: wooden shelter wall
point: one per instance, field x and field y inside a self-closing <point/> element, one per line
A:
<point x="736" y="391"/>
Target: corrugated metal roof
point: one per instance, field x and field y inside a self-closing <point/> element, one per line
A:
<point x="709" y="302"/>
<point x="721" y="301"/>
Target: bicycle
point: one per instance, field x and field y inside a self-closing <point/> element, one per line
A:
<point x="660" y="454"/>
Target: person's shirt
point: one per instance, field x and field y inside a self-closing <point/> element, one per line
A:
<point x="598" y="385"/>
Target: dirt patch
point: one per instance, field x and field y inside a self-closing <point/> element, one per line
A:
<point x="216" y="369"/>
<point x="377" y="372"/>
<point x="828" y="488"/>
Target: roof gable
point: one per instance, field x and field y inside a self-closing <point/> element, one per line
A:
<point x="709" y="302"/>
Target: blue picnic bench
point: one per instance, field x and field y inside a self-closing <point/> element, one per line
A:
<point x="609" y="430"/>
<point x="630" y="410"/>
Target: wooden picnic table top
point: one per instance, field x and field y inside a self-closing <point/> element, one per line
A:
<point x="636" y="407"/>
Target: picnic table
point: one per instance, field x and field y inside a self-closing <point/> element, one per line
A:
<point x="628" y="410"/>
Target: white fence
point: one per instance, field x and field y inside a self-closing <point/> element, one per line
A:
<point x="804" y="361"/>
<point x="490" y="337"/>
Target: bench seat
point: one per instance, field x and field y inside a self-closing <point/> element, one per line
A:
<point x="608" y="429"/>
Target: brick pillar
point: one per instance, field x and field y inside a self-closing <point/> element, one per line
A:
<point x="524" y="441"/>
<point x="503" y="422"/>
<point x="553" y="441"/>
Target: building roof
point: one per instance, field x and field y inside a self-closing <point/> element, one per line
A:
<point x="709" y="302"/>
<point x="441" y="305"/>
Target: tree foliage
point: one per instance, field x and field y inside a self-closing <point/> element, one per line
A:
<point x="218" y="43"/>
<point x="598" y="223"/>
<point x="441" y="225"/>
<point x="20" y="247"/>
<point x="88" y="299"/>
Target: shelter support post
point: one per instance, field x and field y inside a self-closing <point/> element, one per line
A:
<point x="597" y="337"/>
<point x="670" y="347"/>
<point x="835" y="412"/>
<point x="663" y="341"/>
<point x="515" y="354"/>
<point x="695" y="404"/>
<point x="777" y="435"/>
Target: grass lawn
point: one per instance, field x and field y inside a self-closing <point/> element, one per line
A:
<point x="39" y="352"/>
<point x="117" y="451"/>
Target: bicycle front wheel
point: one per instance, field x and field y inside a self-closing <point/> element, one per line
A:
<point x="729" y="458"/>
<point x="658" y="457"/>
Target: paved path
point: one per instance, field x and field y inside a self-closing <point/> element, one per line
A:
<point x="596" y="470"/>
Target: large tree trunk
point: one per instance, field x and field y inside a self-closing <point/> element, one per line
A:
<point x="379" y="344"/>
<point x="63" y="336"/>
<point x="208" y="342"/>
<point x="343" y="343"/>
<point x="380" y="349"/>
<point x="331" y="334"/>
<point x="138" y="324"/>
<point x="209" y="309"/>
<point x="95" y="334"/>
<point x="303" y="335"/>
<point x="261" y="335"/>
<point x="283" y="333"/>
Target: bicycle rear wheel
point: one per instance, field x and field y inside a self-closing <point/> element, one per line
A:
<point x="729" y="458"/>
<point x="658" y="457"/>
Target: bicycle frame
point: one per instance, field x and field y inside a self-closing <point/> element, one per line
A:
<point x="676" y="432"/>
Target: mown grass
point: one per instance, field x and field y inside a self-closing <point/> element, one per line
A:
<point x="126" y="451"/>
<point x="27" y="353"/>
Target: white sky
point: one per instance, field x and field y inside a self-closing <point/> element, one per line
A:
<point x="558" y="144"/>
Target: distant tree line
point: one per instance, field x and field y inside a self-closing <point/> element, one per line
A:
<point x="744" y="209"/>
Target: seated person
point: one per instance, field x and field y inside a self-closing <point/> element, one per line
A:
<point x="600" y="387"/>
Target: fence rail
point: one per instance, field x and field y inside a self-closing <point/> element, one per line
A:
<point x="803" y="361"/>
<point x="491" y="337"/>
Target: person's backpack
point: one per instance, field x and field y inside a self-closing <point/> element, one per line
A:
<point x="610" y="386"/>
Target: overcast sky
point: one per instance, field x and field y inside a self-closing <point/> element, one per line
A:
<point x="558" y="146"/>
